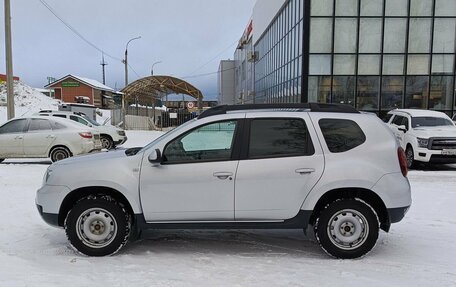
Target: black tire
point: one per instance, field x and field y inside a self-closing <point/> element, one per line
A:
<point x="1" y="160"/>
<point x="107" y="142"/>
<point x="59" y="153"/>
<point x="85" y="226"/>
<point x="410" y="156"/>
<point x="347" y="228"/>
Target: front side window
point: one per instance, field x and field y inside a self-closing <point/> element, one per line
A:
<point x="79" y="120"/>
<point x="212" y="142"/>
<point x="398" y="120"/>
<point x="39" y="125"/>
<point x="16" y="126"/>
<point x="279" y="138"/>
<point x="341" y="135"/>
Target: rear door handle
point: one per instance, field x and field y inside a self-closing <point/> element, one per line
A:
<point x="304" y="170"/>
<point x="50" y="137"/>
<point x="18" y="137"/>
<point x="223" y="175"/>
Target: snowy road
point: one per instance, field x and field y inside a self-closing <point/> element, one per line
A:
<point x="419" y="251"/>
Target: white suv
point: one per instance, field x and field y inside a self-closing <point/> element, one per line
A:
<point x="426" y="136"/>
<point x="250" y="166"/>
<point x="110" y="136"/>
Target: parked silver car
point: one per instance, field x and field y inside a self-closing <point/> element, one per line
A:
<point x="38" y="137"/>
<point x="253" y="166"/>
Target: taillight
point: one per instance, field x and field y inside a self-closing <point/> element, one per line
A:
<point x="86" y="135"/>
<point x="402" y="161"/>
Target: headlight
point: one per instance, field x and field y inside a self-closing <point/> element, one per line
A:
<point x="121" y="133"/>
<point x="423" y="142"/>
<point x="46" y="176"/>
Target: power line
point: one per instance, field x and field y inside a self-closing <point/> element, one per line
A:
<point x="207" y="74"/>
<point x="75" y="31"/>
<point x="215" y="57"/>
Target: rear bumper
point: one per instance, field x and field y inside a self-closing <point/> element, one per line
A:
<point x="397" y="214"/>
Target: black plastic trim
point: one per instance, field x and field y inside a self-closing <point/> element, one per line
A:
<point x="308" y="107"/>
<point x="49" y="218"/>
<point x="397" y="214"/>
<point x="300" y="221"/>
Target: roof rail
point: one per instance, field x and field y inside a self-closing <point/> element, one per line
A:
<point x="309" y="107"/>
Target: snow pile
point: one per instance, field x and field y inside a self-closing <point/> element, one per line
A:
<point x="27" y="101"/>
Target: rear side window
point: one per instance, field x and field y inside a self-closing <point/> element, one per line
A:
<point x="59" y="116"/>
<point x="341" y="135"/>
<point x="39" y="125"/>
<point x="279" y="138"/>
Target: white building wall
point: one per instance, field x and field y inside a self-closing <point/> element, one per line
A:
<point x="226" y="83"/>
<point x="264" y="12"/>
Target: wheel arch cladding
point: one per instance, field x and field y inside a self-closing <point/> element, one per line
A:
<point x="366" y="195"/>
<point x="77" y="194"/>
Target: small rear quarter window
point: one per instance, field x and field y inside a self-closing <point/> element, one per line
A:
<point x="341" y="135"/>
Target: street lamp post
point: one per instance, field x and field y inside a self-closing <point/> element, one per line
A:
<point x="125" y="61"/>
<point x="152" y="69"/>
<point x="9" y="62"/>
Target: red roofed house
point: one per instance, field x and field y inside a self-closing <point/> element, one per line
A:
<point x="75" y="89"/>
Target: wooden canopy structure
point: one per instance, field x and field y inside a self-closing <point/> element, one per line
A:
<point x="155" y="87"/>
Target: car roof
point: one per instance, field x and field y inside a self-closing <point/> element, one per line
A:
<point x="67" y="122"/>
<point x="420" y="113"/>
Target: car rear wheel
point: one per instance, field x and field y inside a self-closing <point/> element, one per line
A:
<point x="98" y="226"/>
<point x="1" y="160"/>
<point x="347" y="228"/>
<point x="107" y="142"/>
<point x="59" y="153"/>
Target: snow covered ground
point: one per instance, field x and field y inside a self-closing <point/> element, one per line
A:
<point x="27" y="101"/>
<point x="419" y="251"/>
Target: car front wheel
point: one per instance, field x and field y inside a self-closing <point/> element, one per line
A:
<point x="347" y="228"/>
<point x="409" y="154"/>
<point x="59" y="153"/>
<point x="1" y="160"/>
<point x="107" y="142"/>
<point x="98" y="226"/>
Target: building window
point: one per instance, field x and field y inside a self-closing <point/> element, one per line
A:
<point x="441" y="93"/>
<point x="343" y="90"/>
<point x="392" y="92"/>
<point x="416" y="96"/>
<point x="346" y="7"/>
<point x="367" y="94"/>
<point x="345" y="35"/>
<point x="396" y="7"/>
<point x="395" y="35"/>
<point x="319" y="89"/>
<point x="393" y="65"/>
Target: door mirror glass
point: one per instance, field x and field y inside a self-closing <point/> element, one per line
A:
<point x="155" y="157"/>
<point x="402" y="128"/>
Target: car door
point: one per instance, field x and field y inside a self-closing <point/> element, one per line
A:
<point x="11" y="138"/>
<point x="38" y="138"/>
<point x="195" y="181"/>
<point x="280" y="163"/>
<point x="397" y="122"/>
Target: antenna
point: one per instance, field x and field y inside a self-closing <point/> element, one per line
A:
<point x="103" y="64"/>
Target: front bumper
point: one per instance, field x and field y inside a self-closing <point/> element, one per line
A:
<point x="433" y="156"/>
<point x="50" y="218"/>
<point x="121" y="141"/>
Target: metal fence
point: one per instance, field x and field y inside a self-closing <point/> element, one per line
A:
<point x="142" y="118"/>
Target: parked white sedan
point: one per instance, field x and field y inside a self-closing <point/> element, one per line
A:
<point x="38" y="137"/>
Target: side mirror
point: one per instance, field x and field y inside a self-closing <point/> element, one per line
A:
<point x="155" y="158"/>
<point x="402" y="128"/>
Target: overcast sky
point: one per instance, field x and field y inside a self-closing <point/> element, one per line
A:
<point x="183" y="34"/>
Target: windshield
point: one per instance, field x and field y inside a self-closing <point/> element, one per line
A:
<point x="90" y="120"/>
<point x="418" y="122"/>
<point x="169" y="132"/>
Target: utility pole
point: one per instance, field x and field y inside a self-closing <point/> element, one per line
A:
<point x="103" y="64"/>
<point x="9" y="61"/>
<point x="125" y="61"/>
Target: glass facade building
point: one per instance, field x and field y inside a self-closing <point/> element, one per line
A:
<point x="373" y="54"/>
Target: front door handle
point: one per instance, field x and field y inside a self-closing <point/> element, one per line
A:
<point x="304" y="170"/>
<point x="223" y="175"/>
<point x="18" y="137"/>
<point x="50" y="137"/>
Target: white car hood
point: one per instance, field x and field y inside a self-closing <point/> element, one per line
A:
<point x="435" y="132"/>
<point x="98" y="157"/>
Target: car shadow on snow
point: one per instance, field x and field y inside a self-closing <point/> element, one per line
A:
<point x="27" y="162"/>
<point x="434" y="167"/>
<point x="243" y="243"/>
